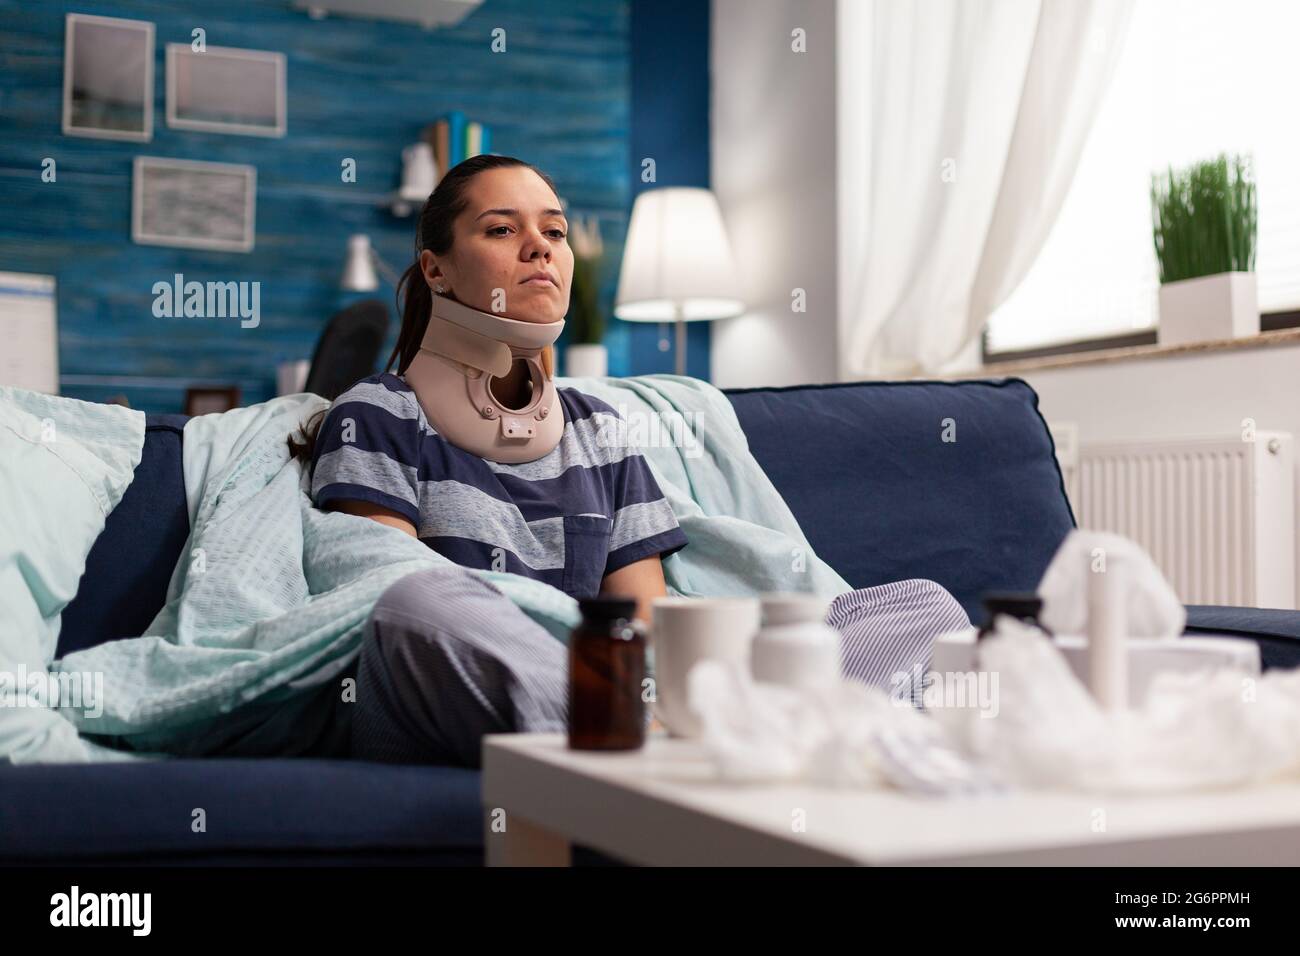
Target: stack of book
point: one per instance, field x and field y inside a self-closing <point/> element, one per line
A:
<point x="453" y="139"/>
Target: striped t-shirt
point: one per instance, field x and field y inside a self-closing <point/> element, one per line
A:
<point x="585" y="509"/>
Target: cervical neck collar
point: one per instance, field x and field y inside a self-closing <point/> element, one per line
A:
<point x="462" y="352"/>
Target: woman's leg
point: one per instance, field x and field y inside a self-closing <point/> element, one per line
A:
<point x="446" y="658"/>
<point x="888" y="630"/>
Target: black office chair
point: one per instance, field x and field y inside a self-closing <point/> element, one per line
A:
<point x="348" y="349"/>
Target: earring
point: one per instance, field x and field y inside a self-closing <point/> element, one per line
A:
<point x="439" y="288"/>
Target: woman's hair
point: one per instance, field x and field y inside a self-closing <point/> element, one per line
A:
<point x="413" y="296"/>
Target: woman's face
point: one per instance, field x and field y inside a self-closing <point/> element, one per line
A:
<point x="510" y="229"/>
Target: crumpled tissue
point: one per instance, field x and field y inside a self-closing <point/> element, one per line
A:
<point x="848" y="734"/>
<point x="1195" y="730"/>
<point x="1151" y="607"/>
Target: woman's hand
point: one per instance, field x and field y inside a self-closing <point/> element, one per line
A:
<point x="643" y="580"/>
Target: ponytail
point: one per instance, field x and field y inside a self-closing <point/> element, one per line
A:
<point x="414" y="303"/>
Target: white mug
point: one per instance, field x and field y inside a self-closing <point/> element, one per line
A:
<point x="686" y="630"/>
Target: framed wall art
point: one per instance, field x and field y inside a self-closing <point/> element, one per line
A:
<point x="108" y="77"/>
<point x="225" y="90"/>
<point x="198" y="205"/>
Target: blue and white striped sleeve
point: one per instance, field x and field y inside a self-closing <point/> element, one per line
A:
<point x="367" y="449"/>
<point x="644" y="523"/>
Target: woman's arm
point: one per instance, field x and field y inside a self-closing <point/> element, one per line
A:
<point x="643" y="580"/>
<point x="378" y="512"/>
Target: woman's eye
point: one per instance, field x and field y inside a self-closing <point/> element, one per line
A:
<point x="493" y="231"/>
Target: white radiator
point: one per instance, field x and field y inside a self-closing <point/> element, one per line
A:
<point x="1216" y="514"/>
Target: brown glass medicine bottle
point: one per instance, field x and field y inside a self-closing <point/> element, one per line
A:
<point x="607" y="667"/>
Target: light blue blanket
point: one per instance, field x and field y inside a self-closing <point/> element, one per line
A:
<point x="743" y="538"/>
<point x="270" y="595"/>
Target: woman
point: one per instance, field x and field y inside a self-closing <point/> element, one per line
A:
<point x="446" y="657"/>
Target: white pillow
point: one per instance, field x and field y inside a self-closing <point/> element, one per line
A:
<point x="64" y="466"/>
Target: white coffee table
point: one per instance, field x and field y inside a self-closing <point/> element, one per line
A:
<point x="662" y="805"/>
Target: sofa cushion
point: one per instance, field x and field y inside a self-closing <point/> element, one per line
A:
<point x="255" y="810"/>
<point x="128" y="570"/>
<point x="952" y="481"/>
<point x="64" y="467"/>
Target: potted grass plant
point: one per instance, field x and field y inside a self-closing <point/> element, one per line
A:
<point x="1204" y="220"/>
<point x="585" y="355"/>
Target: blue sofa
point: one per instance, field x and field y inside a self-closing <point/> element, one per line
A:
<point x="953" y="481"/>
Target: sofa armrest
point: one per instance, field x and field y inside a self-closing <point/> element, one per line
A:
<point x="1276" y="631"/>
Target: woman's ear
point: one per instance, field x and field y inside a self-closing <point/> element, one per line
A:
<point x="432" y="274"/>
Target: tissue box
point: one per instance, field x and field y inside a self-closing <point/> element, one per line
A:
<point x="954" y="652"/>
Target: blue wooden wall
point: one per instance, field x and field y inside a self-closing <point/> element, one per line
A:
<point x="670" y="123"/>
<point x="581" y="92"/>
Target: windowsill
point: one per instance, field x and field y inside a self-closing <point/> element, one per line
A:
<point x="1133" y="352"/>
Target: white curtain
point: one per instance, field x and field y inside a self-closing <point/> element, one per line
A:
<point x="960" y="125"/>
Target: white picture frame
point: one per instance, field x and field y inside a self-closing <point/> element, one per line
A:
<point x="107" y="77"/>
<point x="226" y="90"/>
<point x="193" y="204"/>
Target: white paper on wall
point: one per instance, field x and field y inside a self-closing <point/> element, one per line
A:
<point x="29" y="356"/>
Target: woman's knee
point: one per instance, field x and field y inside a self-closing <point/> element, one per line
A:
<point x="418" y="672"/>
<point x="938" y="602"/>
<point x="432" y="597"/>
<point x="919" y="598"/>
<point x="443" y="662"/>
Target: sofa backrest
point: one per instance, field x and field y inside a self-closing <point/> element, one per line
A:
<point x="953" y="481"/>
<point x="127" y="571"/>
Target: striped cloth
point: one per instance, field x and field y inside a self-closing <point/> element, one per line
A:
<point x="888" y="630"/>
<point x="582" y="511"/>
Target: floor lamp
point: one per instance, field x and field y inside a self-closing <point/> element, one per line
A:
<point x="677" y="264"/>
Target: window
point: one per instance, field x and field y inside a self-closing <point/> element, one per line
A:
<point x="1195" y="78"/>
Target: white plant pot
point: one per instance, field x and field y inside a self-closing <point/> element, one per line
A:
<point x="1223" y="306"/>
<point x="586" y="361"/>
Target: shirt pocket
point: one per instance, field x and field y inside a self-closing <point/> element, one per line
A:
<point x="586" y="549"/>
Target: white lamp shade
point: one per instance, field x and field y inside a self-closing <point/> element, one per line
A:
<point x="359" y="270"/>
<point x="677" y="257"/>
